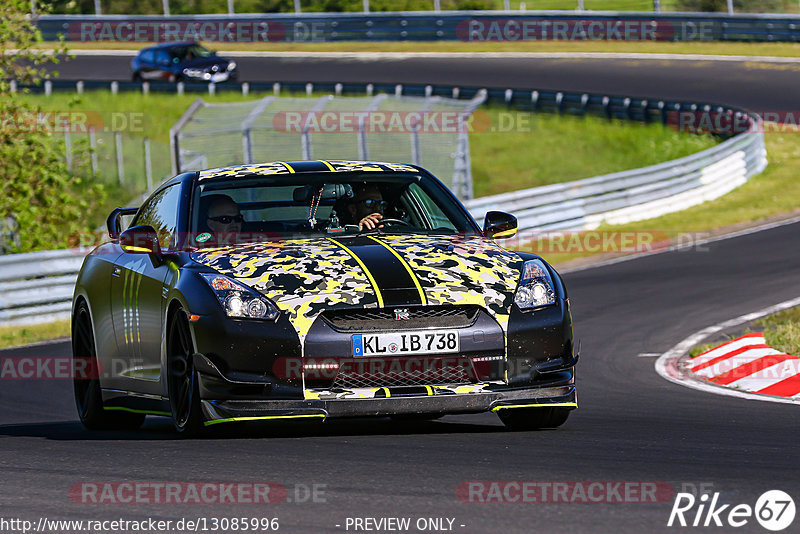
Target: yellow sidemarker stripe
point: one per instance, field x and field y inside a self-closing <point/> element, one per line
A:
<point x="260" y="418"/>
<point x="388" y="393"/>
<point x="407" y="266"/>
<point x="288" y="167"/>
<point x="378" y="294"/>
<point x="543" y="405"/>
<point x="506" y="233"/>
<point x="131" y="410"/>
<point x="328" y="165"/>
<point x="430" y="390"/>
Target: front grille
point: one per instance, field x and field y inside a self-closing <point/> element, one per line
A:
<point x="403" y="371"/>
<point x="366" y="320"/>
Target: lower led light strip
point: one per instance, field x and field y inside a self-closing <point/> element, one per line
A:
<point x="260" y="418"/>
<point x="541" y="405"/>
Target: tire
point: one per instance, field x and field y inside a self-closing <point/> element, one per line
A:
<point x="86" y="383"/>
<point x="533" y="418"/>
<point x="182" y="387"/>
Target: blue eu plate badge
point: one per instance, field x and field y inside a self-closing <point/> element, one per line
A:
<point x="358" y="345"/>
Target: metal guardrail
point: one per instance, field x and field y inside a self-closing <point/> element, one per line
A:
<point x="633" y="195"/>
<point x="425" y="26"/>
<point x="37" y="287"/>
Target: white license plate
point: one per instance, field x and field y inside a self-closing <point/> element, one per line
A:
<point x="394" y="343"/>
<point x="219" y="77"/>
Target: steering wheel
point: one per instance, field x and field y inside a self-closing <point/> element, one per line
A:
<point x="394" y="221"/>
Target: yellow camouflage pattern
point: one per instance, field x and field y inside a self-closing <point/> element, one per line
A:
<point x="280" y="167"/>
<point x="305" y="277"/>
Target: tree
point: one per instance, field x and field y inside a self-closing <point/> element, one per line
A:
<point x="40" y="196"/>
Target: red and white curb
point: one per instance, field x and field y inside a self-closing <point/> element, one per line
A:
<point x="748" y="364"/>
<point x="745" y="367"/>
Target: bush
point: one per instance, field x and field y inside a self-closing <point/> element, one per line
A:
<point x="41" y="198"/>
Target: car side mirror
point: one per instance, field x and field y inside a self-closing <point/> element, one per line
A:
<point x="140" y="240"/>
<point x="113" y="221"/>
<point x="498" y="224"/>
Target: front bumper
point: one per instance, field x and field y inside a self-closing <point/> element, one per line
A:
<point x="394" y="402"/>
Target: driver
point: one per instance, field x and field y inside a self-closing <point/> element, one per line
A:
<point x="223" y="216"/>
<point x="367" y="207"/>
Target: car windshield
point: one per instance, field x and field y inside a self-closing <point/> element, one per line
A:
<point x="189" y="52"/>
<point x="246" y="209"/>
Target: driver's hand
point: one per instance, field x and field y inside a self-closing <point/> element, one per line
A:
<point x="370" y="222"/>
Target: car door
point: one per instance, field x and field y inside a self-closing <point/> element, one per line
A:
<point x="138" y="300"/>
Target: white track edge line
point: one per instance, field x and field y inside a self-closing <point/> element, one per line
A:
<point x="670" y="358"/>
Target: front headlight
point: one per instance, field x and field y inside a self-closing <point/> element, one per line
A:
<point x="194" y="73"/>
<point x="239" y="301"/>
<point x="232" y="65"/>
<point x="535" y="287"/>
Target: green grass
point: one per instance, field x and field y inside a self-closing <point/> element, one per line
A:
<point x="509" y="150"/>
<point x="14" y="336"/>
<point x="782" y="331"/>
<point x="544" y="149"/>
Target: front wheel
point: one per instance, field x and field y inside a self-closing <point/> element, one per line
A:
<point x="184" y="396"/>
<point x="533" y="418"/>
<point x="86" y="380"/>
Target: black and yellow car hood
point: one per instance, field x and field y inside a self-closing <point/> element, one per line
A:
<point x="305" y="277"/>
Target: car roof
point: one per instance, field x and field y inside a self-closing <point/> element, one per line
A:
<point x="169" y="45"/>
<point x="294" y="167"/>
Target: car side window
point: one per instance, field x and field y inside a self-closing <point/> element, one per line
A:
<point x="147" y="56"/>
<point x="161" y="212"/>
<point x="162" y="57"/>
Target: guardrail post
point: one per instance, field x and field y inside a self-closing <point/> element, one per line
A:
<point x="276" y="89"/>
<point x="120" y="168"/>
<point x="145" y="88"/>
<point x="12" y="86"/>
<point x="607" y="107"/>
<point x="245" y="89"/>
<point x="534" y="100"/>
<point x="456" y="93"/>
<point x="309" y="89"/>
<point x="337" y="89"/>
<point x="560" y="101"/>
<point x="79" y="87"/>
<point x="114" y="87"/>
<point x="212" y="89"/>
<point x="369" y="89"/>
<point x="48" y="88"/>
<point x="179" y="87"/>
<point x="398" y="90"/>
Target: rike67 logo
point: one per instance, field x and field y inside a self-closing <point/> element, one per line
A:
<point x="774" y="510"/>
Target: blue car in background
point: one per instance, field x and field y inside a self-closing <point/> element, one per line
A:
<point x="182" y="62"/>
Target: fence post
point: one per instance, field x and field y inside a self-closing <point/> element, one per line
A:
<point x="657" y="6"/>
<point x="231" y="11"/>
<point x="165" y="5"/>
<point x="297" y="6"/>
<point x="93" y="147"/>
<point x="67" y="145"/>
<point x="437" y="5"/>
<point x="366" y="6"/>
<point x="120" y="169"/>
<point x="148" y="169"/>
<point x="730" y="7"/>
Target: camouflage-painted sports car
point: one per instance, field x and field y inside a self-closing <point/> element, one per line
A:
<point x="316" y="290"/>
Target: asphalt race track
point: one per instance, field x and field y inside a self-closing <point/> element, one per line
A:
<point x="753" y="85"/>
<point x="632" y="425"/>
